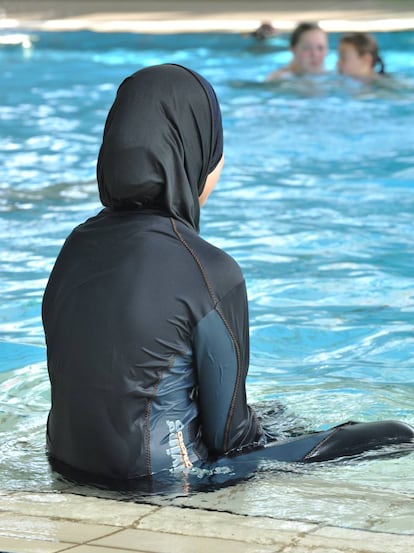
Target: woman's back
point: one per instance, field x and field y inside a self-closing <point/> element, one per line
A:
<point x="120" y="327"/>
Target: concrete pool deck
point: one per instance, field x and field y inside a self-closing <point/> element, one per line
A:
<point x="49" y="522"/>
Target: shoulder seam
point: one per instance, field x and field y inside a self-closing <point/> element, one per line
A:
<point x="197" y="260"/>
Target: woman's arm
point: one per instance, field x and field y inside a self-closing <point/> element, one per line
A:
<point x="221" y="347"/>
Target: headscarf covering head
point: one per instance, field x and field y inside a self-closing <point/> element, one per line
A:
<point x="162" y="137"/>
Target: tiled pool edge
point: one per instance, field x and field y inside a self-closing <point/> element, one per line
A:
<point x="53" y="522"/>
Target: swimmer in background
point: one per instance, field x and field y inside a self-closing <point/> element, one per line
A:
<point x="309" y="46"/>
<point x="264" y="31"/>
<point x="359" y="57"/>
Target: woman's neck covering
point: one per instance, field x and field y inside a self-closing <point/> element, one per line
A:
<point x="162" y="137"/>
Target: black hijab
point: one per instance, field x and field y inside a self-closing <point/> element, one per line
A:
<point x="162" y="137"/>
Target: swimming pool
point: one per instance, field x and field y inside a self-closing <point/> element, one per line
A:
<point x="316" y="204"/>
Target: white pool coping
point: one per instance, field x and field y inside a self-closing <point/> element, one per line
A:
<point x="61" y="521"/>
<point x="200" y="16"/>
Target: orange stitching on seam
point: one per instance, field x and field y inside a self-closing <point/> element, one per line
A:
<point x="196" y="259"/>
<point x="147" y="437"/>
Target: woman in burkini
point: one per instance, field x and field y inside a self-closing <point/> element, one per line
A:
<point x="146" y="323"/>
<point x="309" y="47"/>
<point x="359" y="57"/>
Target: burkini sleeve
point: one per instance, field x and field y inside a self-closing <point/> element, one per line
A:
<point x="221" y="346"/>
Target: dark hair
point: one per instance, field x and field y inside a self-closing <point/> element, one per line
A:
<point x="365" y="43"/>
<point x="300" y="29"/>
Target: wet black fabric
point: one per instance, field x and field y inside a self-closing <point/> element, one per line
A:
<point x="146" y="323"/>
<point x="161" y="139"/>
<point x="217" y="123"/>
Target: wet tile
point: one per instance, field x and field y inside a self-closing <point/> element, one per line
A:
<point x="158" y="542"/>
<point x="47" y="529"/>
<point x="75" y="507"/>
<point x="403" y="524"/>
<point x="196" y="522"/>
<point x="99" y="549"/>
<point x="341" y="539"/>
<point x="17" y="545"/>
<point x="320" y="549"/>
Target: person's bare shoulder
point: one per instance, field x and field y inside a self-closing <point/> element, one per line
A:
<point x="279" y="73"/>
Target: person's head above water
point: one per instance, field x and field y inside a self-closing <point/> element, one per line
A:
<point x="162" y="146"/>
<point x="359" y="56"/>
<point x="309" y="47"/>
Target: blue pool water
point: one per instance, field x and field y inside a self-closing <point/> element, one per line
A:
<point x="315" y="202"/>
